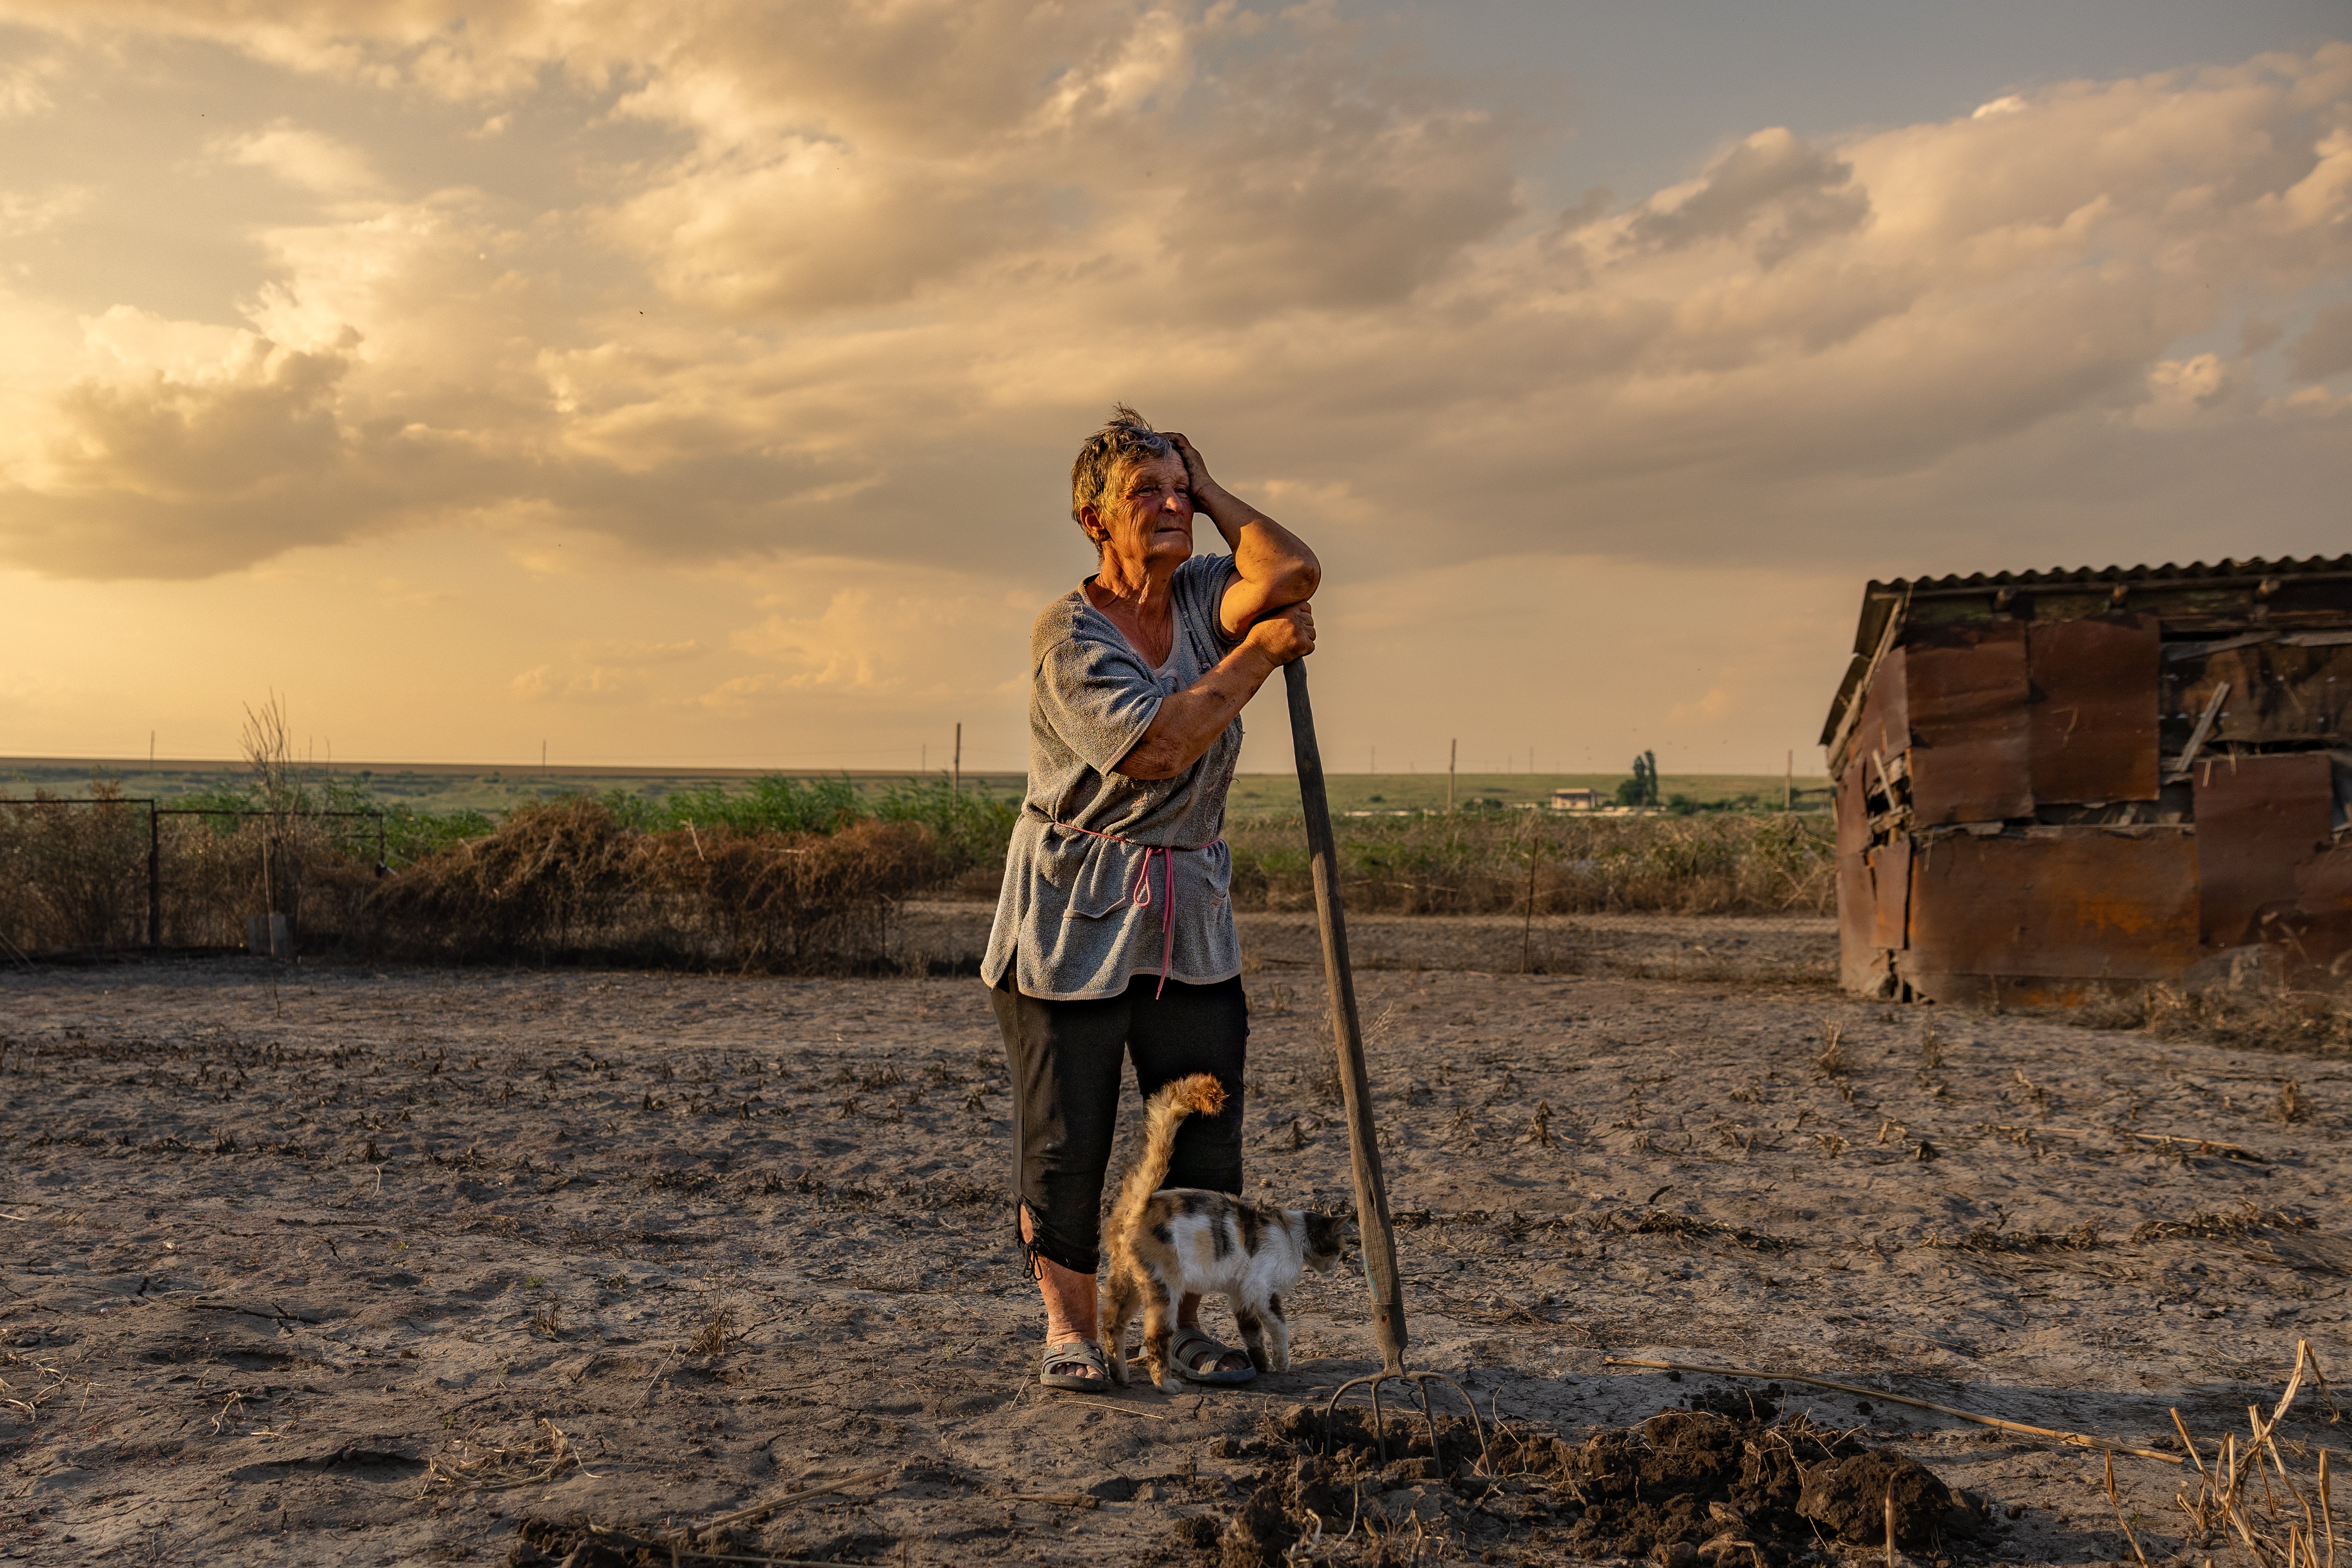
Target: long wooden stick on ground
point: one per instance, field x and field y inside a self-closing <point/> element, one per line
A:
<point x="2072" y="1439"/>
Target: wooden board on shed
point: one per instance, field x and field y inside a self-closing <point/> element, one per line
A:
<point x="1967" y="691"/>
<point x="2093" y="713"/>
<point x="2077" y="902"/>
<point x="2258" y="818"/>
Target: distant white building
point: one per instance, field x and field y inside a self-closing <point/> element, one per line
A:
<point x="1575" y="800"/>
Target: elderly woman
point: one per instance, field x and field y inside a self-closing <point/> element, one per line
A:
<point x="1114" y="933"/>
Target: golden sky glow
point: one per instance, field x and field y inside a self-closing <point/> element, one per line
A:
<point x="698" y="383"/>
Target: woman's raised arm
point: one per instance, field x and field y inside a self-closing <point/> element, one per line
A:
<point x="1274" y="567"/>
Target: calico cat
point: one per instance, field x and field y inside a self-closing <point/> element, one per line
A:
<point x="1165" y="1245"/>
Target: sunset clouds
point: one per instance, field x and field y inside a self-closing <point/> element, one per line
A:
<point x="821" y="298"/>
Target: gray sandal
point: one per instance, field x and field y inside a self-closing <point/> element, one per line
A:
<point x="1184" y="1350"/>
<point x="1081" y="1367"/>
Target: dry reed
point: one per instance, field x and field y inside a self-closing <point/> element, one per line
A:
<point x="2283" y="1529"/>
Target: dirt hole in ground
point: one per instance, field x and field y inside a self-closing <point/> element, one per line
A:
<point x="1729" y="1481"/>
<point x="548" y="1543"/>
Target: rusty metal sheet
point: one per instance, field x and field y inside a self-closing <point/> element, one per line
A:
<point x="1890" y="882"/>
<point x="2311" y="941"/>
<point x="2257" y="818"/>
<point x="2093" y="720"/>
<point x="1966" y="692"/>
<point x="2279" y="690"/>
<point x="1853" y="809"/>
<point x="2087" y="902"/>
<point x="1859" y="964"/>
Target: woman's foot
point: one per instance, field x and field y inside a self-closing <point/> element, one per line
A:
<point x="1231" y="1366"/>
<point x="1200" y="1359"/>
<point x="1075" y="1366"/>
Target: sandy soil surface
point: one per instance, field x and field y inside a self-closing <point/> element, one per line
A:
<point x="314" y="1265"/>
<point x="1797" y="949"/>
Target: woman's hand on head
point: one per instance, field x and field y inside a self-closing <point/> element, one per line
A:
<point x="1196" y="467"/>
<point x="1285" y="634"/>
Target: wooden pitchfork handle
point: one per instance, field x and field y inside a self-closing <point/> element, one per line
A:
<point x="1377" y="1235"/>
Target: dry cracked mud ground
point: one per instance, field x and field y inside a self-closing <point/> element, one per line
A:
<point x="330" y="1265"/>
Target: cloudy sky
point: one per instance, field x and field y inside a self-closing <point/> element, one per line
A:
<point x="696" y="383"/>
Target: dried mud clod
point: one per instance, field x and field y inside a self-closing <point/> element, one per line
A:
<point x="1729" y="1481"/>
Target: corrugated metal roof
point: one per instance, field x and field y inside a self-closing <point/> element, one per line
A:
<point x="2251" y="571"/>
<point x="1881" y="601"/>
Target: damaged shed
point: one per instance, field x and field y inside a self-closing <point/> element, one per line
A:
<point x="2052" y="784"/>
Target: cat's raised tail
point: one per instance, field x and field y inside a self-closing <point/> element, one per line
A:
<point x="1199" y="1095"/>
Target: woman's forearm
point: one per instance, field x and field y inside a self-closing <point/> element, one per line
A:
<point x="1265" y="554"/>
<point x="1190" y="721"/>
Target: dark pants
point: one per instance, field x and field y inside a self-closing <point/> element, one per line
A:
<point x="1066" y="1059"/>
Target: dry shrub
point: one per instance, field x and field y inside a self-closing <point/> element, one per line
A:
<point x="777" y="900"/>
<point x="73" y="874"/>
<point x="569" y="881"/>
<point x="549" y="878"/>
<point x="1479" y="863"/>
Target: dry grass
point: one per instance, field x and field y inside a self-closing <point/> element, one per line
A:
<point x="2259" y="1016"/>
<point x="2228" y="1224"/>
<point x="543" y="1455"/>
<point x="35" y="1383"/>
<point x="1833" y="1060"/>
<point x="714" y="1333"/>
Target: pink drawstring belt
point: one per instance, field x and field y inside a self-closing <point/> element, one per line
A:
<point x="1138" y="895"/>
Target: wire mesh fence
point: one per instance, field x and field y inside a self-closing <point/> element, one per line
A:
<point x="119" y="872"/>
<point x="567" y="880"/>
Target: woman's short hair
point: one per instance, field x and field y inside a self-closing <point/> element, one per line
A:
<point x="1110" y="452"/>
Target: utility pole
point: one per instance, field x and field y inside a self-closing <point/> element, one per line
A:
<point x="543" y="757"/>
<point x="957" y="786"/>
<point x="1452" y="755"/>
<point x="1789" y="784"/>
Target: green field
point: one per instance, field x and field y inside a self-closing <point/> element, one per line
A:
<point x="455" y="788"/>
<point x="1270" y="793"/>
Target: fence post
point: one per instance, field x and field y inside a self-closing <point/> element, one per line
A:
<point x="155" y="876"/>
